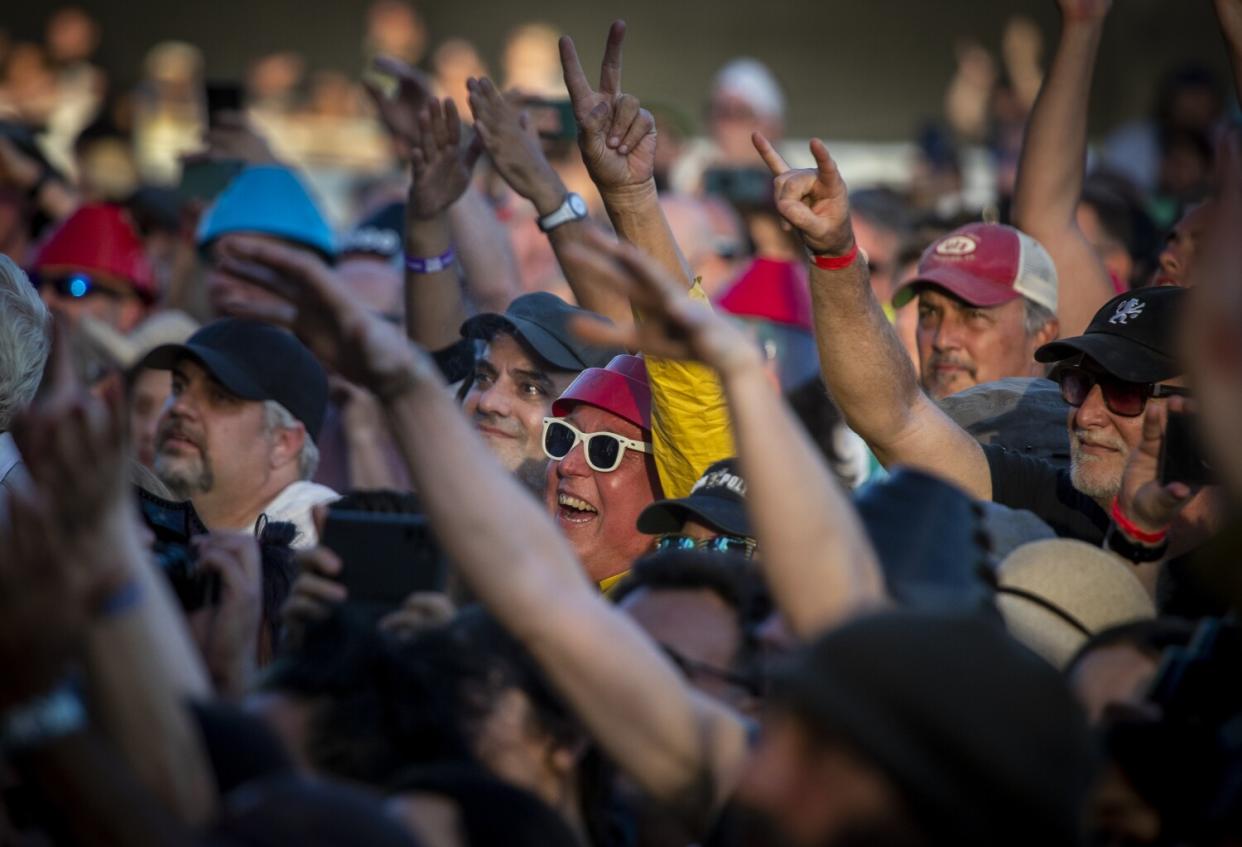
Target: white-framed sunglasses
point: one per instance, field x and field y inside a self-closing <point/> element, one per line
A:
<point x="604" y="450"/>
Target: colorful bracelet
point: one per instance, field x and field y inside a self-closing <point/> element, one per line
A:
<point x="431" y="264"/>
<point x="1132" y="530"/>
<point x="836" y="263"/>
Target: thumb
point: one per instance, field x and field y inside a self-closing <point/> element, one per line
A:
<point x="1154" y="421"/>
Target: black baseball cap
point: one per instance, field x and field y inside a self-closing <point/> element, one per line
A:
<point x="255" y="361"/>
<point x="717" y="499"/>
<point x="1133" y="336"/>
<point x="541" y="321"/>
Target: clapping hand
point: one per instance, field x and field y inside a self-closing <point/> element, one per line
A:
<point x="441" y="166"/>
<point x="400" y="112"/>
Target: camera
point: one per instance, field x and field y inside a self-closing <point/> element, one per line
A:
<point x="173" y="525"/>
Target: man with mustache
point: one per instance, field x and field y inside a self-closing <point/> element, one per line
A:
<point x="987" y="300"/>
<point x="1123" y="366"/>
<point x="237" y="435"/>
<point x="529" y="357"/>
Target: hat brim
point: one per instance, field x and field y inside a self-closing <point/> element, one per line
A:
<point x="962" y="285"/>
<point x="727" y="516"/>
<point x="233" y="378"/>
<point x="545" y="345"/>
<point x="1122" y="357"/>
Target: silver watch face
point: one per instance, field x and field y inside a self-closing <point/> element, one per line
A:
<point x="577" y="205"/>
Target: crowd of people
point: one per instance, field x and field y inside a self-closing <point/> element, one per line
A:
<point x="602" y="486"/>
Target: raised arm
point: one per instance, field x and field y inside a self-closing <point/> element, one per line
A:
<point x="868" y="372"/>
<point x="141" y="665"/>
<point x="515" y="151"/>
<point x="816" y="555"/>
<point x="678" y="747"/>
<point x="442" y="212"/>
<point x="1053" y="164"/>
<point x="1229" y="14"/>
<point x="617" y="138"/>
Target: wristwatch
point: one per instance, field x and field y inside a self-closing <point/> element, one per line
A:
<point x="574" y="208"/>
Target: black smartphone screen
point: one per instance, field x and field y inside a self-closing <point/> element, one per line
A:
<point x="1181" y="453"/>
<point x="385" y="557"/>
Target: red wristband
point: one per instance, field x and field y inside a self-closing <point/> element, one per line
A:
<point x="836" y="263"/>
<point x="1132" y="530"/>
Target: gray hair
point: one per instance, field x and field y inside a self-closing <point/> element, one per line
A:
<point x="25" y="340"/>
<point x="1036" y="317"/>
<point x="278" y="417"/>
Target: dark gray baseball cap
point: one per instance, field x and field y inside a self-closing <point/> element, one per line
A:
<point x="541" y="321"/>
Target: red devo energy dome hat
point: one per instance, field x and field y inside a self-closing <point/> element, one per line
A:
<point x="772" y="290"/>
<point x="99" y="239"/>
<point x="620" y="388"/>
<point x="986" y="265"/>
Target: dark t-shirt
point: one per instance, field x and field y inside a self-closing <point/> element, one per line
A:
<point x="1023" y="482"/>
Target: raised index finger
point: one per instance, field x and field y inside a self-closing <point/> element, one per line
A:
<point x="610" y="69"/>
<point x="571" y="68"/>
<point x="771" y="158"/>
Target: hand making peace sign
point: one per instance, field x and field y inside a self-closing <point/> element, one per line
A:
<point x="617" y="137"/>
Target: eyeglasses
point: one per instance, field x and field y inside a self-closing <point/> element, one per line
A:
<point x="73" y="286"/>
<point x="1127" y="399"/>
<point x="604" y="450"/>
<point x="734" y="544"/>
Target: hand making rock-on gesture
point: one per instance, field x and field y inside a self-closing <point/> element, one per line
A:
<point x="814" y="201"/>
<point x="616" y="135"/>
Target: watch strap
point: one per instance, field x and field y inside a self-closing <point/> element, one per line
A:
<point x="564" y="213"/>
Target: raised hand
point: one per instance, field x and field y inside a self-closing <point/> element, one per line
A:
<point x="673" y="326"/>
<point x="513" y="145"/>
<point x="813" y="200"/>
<point x="400" y="112"/>
<point x="441" y="168"/>
<point x="228" y="632"/>
<point x="315" y="592"/>
<point x="617" y="137"/>
<point x="341" y="332"/>
<point x="1143" y="499"/>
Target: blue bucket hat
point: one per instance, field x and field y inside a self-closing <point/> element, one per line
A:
<point x="269" y="200"/>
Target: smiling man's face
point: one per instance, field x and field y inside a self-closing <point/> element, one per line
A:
<point x="509" y="398"/>
<point x="598" y="512"/>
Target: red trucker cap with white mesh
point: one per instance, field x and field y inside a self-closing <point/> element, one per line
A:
<point x="986" y="265"/>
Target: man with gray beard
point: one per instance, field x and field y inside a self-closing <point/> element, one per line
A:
<point x="1124" y="364"/>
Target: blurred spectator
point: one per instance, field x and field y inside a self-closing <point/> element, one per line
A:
<point x="273" y="82"/>
<point x="454" y="62"/>
<point x="531" y="61"/>
<point x="27" y="84"/>
<point x="395" y="28"/>
<point x="72" y="38"/>
<point x="169" y="107"/>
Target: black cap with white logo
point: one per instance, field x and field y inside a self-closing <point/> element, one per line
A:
<point x="718" y="499"/>
<point x="1133" y="337"/>
<point x="542" y="321"/>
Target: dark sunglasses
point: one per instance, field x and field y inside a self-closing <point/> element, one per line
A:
<point x="72" y="286"/>
<point x="604" y="450"/>
<point x="1127" y="399"/>
<point x="734" y="544"/>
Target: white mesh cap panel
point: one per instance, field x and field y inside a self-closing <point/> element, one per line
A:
<point x="1037" y="275"/>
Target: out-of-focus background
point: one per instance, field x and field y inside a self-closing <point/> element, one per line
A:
<point x="889" y="82"/>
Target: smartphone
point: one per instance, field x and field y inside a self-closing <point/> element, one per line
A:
<point x="205" y="179"/>
<point x="554" y="119"/>
<point x="1181" y="453"/>
<point x="223" y="96"/>
<point x="385" y="557"/>
<point x="745" y="188"/>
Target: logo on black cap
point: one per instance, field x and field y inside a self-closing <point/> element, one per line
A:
<point x="1126" y="310"/>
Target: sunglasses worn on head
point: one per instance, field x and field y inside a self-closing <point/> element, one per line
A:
<point x="735" y="544"/>
<point x="73" y="286"/>
<point x="1127" y="399"/>
<point x="604" y="450"/>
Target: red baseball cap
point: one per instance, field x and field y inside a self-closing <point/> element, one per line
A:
<point x="620" y="388"/>
<point x="986" y="265"/>
<point x="772" y="290"/>
<point x="98" y="238"/>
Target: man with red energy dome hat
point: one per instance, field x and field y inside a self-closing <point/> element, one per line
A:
<point x="93" y="264"/>
<point x="603" y="473"/>
<point x="987" y="301"/>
